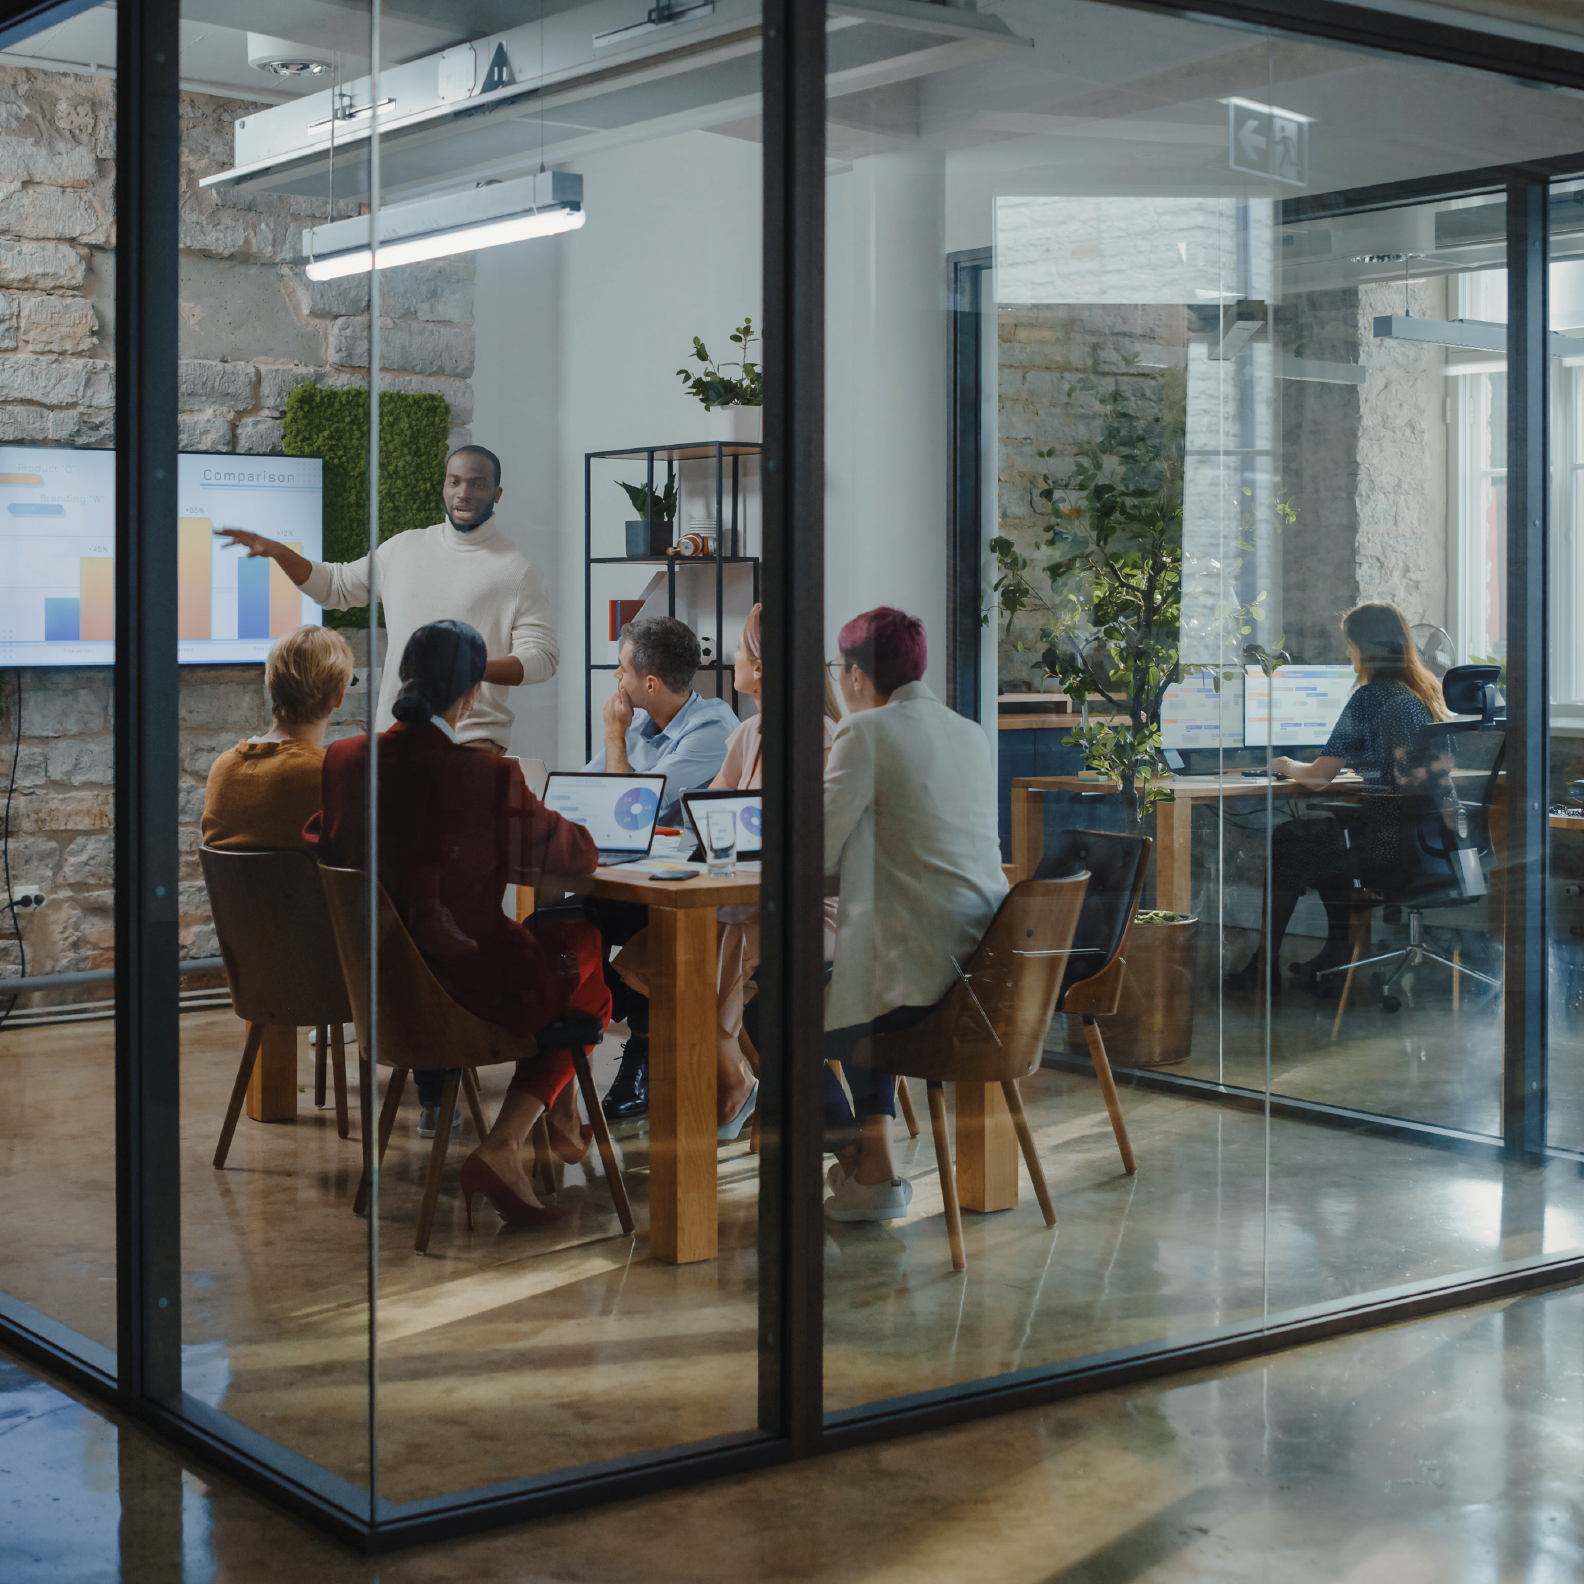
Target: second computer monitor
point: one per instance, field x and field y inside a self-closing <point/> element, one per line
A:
<point x="1297" y="706"/>
<point x="1196" y="713"/>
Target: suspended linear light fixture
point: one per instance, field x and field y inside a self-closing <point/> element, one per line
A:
<point x="427" y="228"/>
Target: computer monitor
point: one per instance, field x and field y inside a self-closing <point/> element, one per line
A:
<point x="1297" y="706"/>
<point x="1195" y="715"/>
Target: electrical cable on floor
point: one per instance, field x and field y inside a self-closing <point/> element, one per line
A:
<point x="5" y="843"/>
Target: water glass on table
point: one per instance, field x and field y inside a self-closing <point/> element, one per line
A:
<point x="720" y="841"/>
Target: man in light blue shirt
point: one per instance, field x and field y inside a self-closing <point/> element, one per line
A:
<point x="654" y="723"/>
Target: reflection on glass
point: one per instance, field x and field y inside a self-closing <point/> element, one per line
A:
<point x="57" y="653"/>
<point x="1242" y="563"/>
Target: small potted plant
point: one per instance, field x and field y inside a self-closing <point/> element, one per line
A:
<point x="741" y="394"/>
<point x="650" y="534"/>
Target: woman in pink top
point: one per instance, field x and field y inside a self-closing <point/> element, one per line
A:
<point x="736" y="1061"/>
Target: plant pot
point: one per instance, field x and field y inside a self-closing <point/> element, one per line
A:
<point x="737" y="423"/>
<point x="1153" y="1025"/>
<point x="648" y="539"/>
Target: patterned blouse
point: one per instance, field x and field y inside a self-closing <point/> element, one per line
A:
<point x="1377" y="728"/>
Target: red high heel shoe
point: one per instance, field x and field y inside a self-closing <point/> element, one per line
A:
<point x="479" y="1177"/>
<point x="561" y="1143"/>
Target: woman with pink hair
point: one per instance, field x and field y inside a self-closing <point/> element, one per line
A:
<point x="910" y="825"/>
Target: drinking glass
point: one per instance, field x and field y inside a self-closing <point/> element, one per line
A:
<point x="720" y="840"/>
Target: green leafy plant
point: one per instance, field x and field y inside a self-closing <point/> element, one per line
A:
<point x="1109" y="589"/>
<point x="665" y="501"/>
<point x="715" y="387"/>
<point x="415" y="434"/>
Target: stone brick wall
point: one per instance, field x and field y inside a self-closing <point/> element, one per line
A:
<point x="252" y="327"/>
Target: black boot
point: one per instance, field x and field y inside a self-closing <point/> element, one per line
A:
<point x="627" y="1099"/>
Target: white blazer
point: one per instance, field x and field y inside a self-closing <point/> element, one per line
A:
<point x="910" y="825"/>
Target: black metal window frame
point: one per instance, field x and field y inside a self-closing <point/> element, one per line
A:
<point x="143" y="1377"/>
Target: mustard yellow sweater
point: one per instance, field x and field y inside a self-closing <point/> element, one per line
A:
<point x="261" y="794"/>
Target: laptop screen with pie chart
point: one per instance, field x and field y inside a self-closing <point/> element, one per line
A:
<point x="618" y="811"/>
<point x="749" y="808"/>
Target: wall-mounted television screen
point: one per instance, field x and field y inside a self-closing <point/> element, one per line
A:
<point x="57" y="555"/>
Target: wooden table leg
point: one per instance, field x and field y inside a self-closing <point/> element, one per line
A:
<point x="987" y="1149"/>
<point x="682" y="1215"/>
<point x="1028" y="830"/>
<point x="272" y="1090"/>
<point x="1174" y="856"/>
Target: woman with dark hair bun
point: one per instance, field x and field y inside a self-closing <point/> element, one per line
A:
<point x="453" y="825"/>
<point x="1396" y="696"/>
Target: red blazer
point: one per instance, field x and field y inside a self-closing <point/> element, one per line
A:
<point x="453" y="823"/>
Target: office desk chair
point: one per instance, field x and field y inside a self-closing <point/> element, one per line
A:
<point x="280" y="962"/>
<point x="1443" y="819"/>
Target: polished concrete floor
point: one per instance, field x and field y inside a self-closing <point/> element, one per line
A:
<point x="504" y="1354"/>
<point x="1444" y="1452"/>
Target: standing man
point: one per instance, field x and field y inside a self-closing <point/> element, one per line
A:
<point x="465" y="569"/>
<point x="655" y="723"/>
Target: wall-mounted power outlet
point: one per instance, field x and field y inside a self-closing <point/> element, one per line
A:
<point x="24" y="894"/>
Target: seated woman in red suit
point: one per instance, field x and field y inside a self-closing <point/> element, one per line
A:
<point x="453" y="823"/>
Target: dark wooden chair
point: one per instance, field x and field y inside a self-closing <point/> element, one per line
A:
<point x="422" y="1029"/>
<point x="990" y="1026"/>
<point x="280" y="960"/>
<point x="1092" y="987"/>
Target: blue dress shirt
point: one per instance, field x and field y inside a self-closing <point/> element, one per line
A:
<point x="689" y="752"/>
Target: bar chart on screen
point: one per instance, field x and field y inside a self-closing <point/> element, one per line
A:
<point x="57" y="555"/>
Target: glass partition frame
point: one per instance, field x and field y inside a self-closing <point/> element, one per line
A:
<point x="147" y="1375"/>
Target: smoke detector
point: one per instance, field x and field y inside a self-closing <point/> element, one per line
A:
<point x="282" y="58"/>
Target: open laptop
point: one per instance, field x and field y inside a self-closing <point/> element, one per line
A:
<point x="749" y="809"/>
<point x="618" y="811"/>
<point x="534" y="774"/>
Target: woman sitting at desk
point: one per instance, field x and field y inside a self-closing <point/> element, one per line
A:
<point x="910" y="825"/>
<point x="1378" y="725"/>
<point x="736" y="1086"/>
<point x="453" y="824"/>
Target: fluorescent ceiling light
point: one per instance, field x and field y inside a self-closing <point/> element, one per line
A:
<point x="459" y="222"/>
<point x="1478" y="366"/>
<point x="1267" y="109"/>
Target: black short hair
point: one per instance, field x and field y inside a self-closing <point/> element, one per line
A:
<point x="666" y="648"/>
<point x="477" y="450"/>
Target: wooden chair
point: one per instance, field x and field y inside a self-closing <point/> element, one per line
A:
<point x="280" y="960"/>
<point x="421" y="1028"/>
<point x="990" y="1026"/>
<point x="1093" y="985"/>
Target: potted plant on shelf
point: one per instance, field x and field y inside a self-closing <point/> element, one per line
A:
<point x="650" y="534"/>
<point x="740" y="394"/>
<point x="1109" y="594"/>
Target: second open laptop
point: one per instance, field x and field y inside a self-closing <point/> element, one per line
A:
<point x="618" y="811"/>
<point x="747" y="806"/>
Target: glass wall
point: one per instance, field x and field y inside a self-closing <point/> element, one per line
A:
<point x="1175" y="751"/>
<point x="1222" y="351"/>
<point x="57" y="672"/>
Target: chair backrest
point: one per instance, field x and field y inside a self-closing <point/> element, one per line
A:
<point x="1116" y="866"/>
<point x="420" y="1026"/>
<point x="275" y="937"/>
<point x="1444" y="811"/>
<point x="991" y="1025"/>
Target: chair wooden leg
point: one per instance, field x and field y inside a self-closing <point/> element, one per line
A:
<point x="338" y="1054"/>
<point x="1102" y="1068"/>
<point x="1457" y="978"/>
<point x="602" y="1137"/>
<point x="948" y="1178"/>
<point x="1347" y="988"/>
<point x="250" y="1050"/>
<point x="907" y="1108"/>
<point x="437" y="1157"/>
<point x="753" y="1133"/>
<point x="321" y="1062"/>
<point x="1036" y="1172"/>
<point x="475" y="1102"/>
<point x="387" y="1120"/>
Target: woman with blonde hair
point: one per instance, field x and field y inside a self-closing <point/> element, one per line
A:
<point x="1396" y="697"/>
<point x="737" y="1085"/>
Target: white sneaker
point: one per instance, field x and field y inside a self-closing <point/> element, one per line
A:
<point x="429" y="1118"/>
<point x="856" y="1201"/>
<point x="835" y="1177"/>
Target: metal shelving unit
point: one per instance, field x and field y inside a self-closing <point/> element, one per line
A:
<point x="730" y="540"/>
